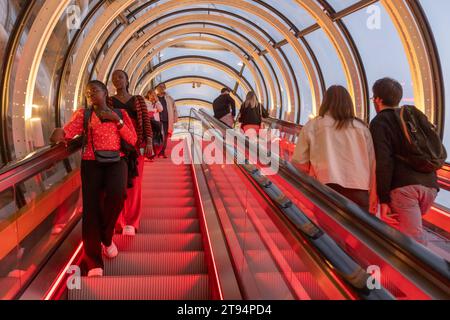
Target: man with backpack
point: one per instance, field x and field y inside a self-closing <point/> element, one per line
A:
<point x="408" y="154"/>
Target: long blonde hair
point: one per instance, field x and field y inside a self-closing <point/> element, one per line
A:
<point x="251" y="100"/>
<point x="152" y="96"/>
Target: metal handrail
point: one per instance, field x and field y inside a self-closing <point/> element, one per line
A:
<point x="36" y="162"/>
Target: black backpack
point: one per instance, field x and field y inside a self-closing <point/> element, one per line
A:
<point x="423" y="149"/>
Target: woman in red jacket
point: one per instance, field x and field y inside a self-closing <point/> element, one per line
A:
<point x="105" y="130"/>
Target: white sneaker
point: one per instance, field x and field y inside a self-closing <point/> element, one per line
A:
<point x="129" y="231"/>
<point x="97" y="272"/>
<point x="111" y="251"/>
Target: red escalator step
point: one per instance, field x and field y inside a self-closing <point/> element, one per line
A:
<point x="159" y="263"/>
<point x="184" y="287"/>
<point x="158" y="193"/>
<point x="169" y="226"/>
<point x="166" y="179"/>
<point x="294" y="261"/>
<point x="250" y="241"/>
<point x="272" y="286"/>
<point x="260" y="261"/>
<point x="159" y="242"/>
<point x="236" y="212"/>
<point x="166" y="185"/>
<point x="311" y="286"/>
<point x="168" y="202"/>
<point x="169" y="213"/>
<point x="243" y="225"/>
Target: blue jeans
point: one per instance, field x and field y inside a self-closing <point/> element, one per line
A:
<point x="409" y="204"/>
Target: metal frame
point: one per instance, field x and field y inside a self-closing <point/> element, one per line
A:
<point x="436" y="68"/>
<point x="416" y="52"/>
<point x="171" y="5"/>
<point x="190" y="101"/>
<point x="59" y="93"/>
<point x="12" y="46"/>
<point x="203" y="80"/>
<point x="145" y="56"/>
<point x="109" y="58"/>
<point x="133" y="49"/>
<point x="27" y="70"/>
<point x="224" y="45"/>
<point x="144" y="81"/>
<point x="414" y="19"/>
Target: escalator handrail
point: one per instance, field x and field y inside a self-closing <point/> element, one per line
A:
<point x="21" y="170"/>
<point x="414" y="251"/>
<point x="401" y="242"/>
<point x="349" y="269"/>
<point x="287" y="124"/>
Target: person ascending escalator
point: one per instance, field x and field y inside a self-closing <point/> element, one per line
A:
<point x="337" y="149"/>
<point x="225" y="107"/>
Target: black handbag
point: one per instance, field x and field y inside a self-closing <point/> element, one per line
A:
<point x="107" y="156"/>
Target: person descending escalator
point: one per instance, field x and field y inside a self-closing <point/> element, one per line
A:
<point x="336" y="148"/>
<point x="136" y="108"/>
<point x="168" y="117"/>
<point x="103" y="171"/>
<point x="225" y="107"/>
<point x="154" y="108"/>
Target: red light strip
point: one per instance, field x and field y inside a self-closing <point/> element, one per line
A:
<point x="203" y="213"/>
<point x="63" y="273"/>
<point x="441" y="212"/>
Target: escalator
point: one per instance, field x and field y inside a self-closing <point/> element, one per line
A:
<point x="409" y="271"/>
<point x="166" y="259"/>
<point x="222" y="231"/>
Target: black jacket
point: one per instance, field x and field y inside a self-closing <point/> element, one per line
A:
<point x="223" y="105"/>
<point x="250" y="115"/>
<point x="392" y="173"/>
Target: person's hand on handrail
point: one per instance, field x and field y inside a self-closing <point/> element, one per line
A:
<point x="386" y="214"/>
<point x="58" y="136"/>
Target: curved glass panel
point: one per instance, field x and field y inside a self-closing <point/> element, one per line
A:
<point x="293" y="11"/>
<point x="437" y="13"/>
<point x="193" y="70"/>
<point x="303" y="82"/>
<point x="267" y="27"/>
<point x="9" y="12"/>
<point x="203" y="50"/>
<point x="66" y="102"/>
<point x="381" y="51"/>
<point x="329" y="61"/>
<point x="197" y="91"/>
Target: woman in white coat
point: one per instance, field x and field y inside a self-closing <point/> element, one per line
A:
<point x="336" y="148"/>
